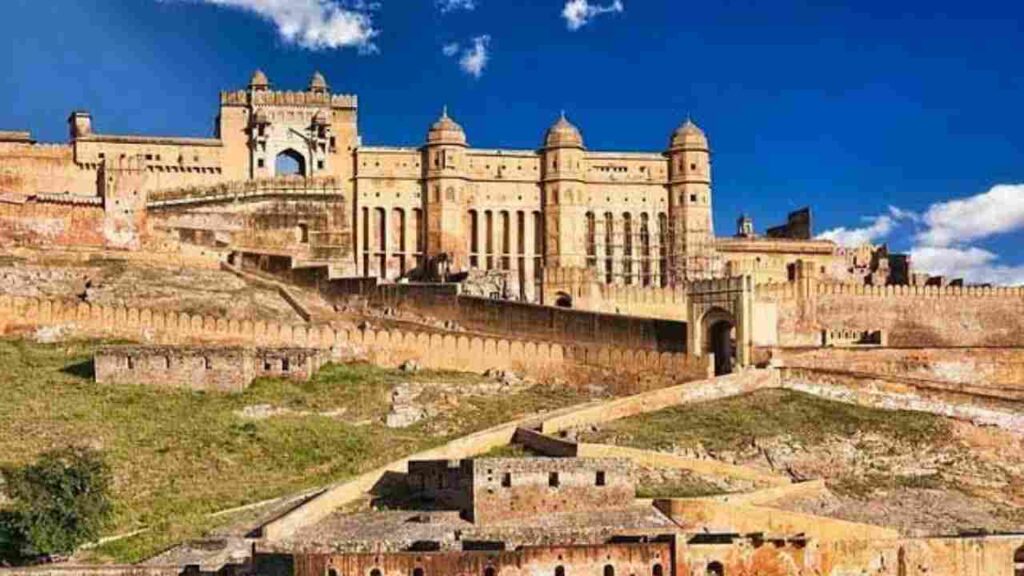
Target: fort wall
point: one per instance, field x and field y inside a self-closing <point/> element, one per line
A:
<point x="51" y="224"/>
<point x="449" y="351"/>
<point x="911" y="316"/>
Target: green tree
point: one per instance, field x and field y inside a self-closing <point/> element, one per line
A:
<point x="57" y="503"/>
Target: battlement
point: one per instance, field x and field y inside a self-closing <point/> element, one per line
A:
<point x="154" y="140"/>
<point x="17" y="136"/>
<point x="288" y="98"/>
<point x="280" y="185"/>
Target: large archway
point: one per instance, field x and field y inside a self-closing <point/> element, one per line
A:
<point x="719" y="330"/>
<point x="290" y="163"/>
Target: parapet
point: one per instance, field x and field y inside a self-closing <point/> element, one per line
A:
<point x="279" y="98"/>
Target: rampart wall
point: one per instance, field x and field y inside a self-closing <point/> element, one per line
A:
<point x="51" y="224"/>
<point x="531" y="321"/>
<point x="450" y="351"/>
<point x="910" y="315"/>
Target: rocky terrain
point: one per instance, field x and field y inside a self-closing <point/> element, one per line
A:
<point x="919" y="473"/>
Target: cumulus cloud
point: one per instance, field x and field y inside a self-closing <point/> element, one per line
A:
<point x="876" y="229"/>
<point x="578" y="13"/>
<point x="976" y="265"/>
<point x="998" y="211"/>
<point x="472" y="59"/>
<point x="446" y="6"/>
<point x="314" y="24"/>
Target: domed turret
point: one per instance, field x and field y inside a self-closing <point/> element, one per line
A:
<point x="259" y="81"/>
<point x="563" y="134"/>
<point x="689" y="135"/>
<point x="318" y="84"/>
<point x="446" y="131"/>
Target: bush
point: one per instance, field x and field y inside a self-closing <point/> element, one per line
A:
<point x="57" y="503"/>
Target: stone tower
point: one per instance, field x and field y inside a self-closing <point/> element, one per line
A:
<point x="445" y="178"/>
<point x="122" y="185"/>
<point x="692" y="254"/>
<point x="563" y="186"/>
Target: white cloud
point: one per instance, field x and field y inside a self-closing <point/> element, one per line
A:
<point x="998" y="211"/>
<point x="450" y="49"/>
<point x="877" y="229"/>
<point x="315" y="24"/>
<point x="973" y="264"/>
<point x="474" y="58"/>
<point x="578" y="13"/>
<point x="446" y="6"/>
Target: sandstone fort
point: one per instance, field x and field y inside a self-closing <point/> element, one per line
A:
<point x="558" y="264"/>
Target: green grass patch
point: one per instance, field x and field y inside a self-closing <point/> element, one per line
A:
<point x="691" y="487"/>
<point x="732" y="423"/>
<point x="178" y="456"/>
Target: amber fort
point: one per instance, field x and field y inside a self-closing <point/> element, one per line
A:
<point x="558" y="264"/>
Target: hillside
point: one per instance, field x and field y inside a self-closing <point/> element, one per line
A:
<point x="917" y="472"/>
<point x="179" y="456"/>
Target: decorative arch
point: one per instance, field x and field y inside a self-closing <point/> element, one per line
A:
<point x="715" y="568"/>
<point x="563" y="300"/>
<point x="290" y="162"/>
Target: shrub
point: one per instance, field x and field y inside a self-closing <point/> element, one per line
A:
<point x="57" y="503"/>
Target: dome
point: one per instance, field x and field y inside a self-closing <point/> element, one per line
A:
<point x="259" y="80"/>
<point x="446" y="131"/>
<point x="689" y="135"/>
<point x="318" y="83"/>
<point x="563" y="134"/>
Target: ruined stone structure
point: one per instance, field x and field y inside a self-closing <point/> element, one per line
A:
<point x="211" y="368"/>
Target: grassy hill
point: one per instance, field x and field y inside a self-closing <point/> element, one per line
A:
<point x="179" y="456"/>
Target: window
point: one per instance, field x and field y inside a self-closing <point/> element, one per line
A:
<point x="559" y="571"/>
<point x="489" y="571"/>
<point x="260" y="163"/>
<point x="609" y="570"/>
<point x="207" y="364"/>
<point x="319" y="164"/>
<point x="285" y="365"/>
<point x="600" y="479"/>
<point x="131" y="363"/>
<point x="332" y="572"/>
<point x="375" y="572"/>
<point x="657" y="570"/>
<point x="506" y="480"/>
<point x="693" y="197"/>
<point x="417" y="572"/>
<point x="715" y="569"/>
<point x="266" y="365"/>
<point x="553" y="479"/>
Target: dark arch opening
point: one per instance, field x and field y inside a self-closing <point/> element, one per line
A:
<point x="722" y="345"/>
<point x="715" y="569"/>
<point x="559" y="571"/>
<point x="609" y="570"/>
<point x="290" y="163"/>
<point x="417" y="572"/>
<point x="489" y="571"/>
<point x="1018" y="562"/>
<point x="375" y="572"/>
<point x="657" y="570"/>
<point x="563" y="300"/>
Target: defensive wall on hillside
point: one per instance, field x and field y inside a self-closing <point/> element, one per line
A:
<point x="518" y="319"/>
<point x="450" y="351"/>
<point x="913" y="316"/>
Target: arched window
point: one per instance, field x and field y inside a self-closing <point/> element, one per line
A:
<point x="489" y="571"/>
<point x="563" y="300"/>
<point x="417" y="571"/>
<point x="290" y="163"/>
<point x="375" y="572"/>
<point x="609" y="570"/>
<point x="1018" y="562"/>
<point x="332" y="572"/>
<point x="657" y="570"/>
<point x="715" y="569"/>
<point x="559" y="571"/>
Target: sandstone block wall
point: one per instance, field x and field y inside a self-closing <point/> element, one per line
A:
<point x="450" y="351"/>
<point x="51" y="224"/>
<point x="624" y="559"/>
<point x="911" y="316"/>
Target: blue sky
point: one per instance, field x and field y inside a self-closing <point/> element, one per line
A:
<point x="850" y="108"/>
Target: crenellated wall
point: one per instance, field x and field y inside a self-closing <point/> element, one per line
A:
<point x="451" y="351"/>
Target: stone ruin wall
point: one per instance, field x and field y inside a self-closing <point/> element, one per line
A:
<point x="514" y="488"/>
<point x="208" y="368"/>
<point x="389" y="348"/>
<point x="626" y="560"/>
<point x="911" y="316"/>
<point x="51" y="224"/>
